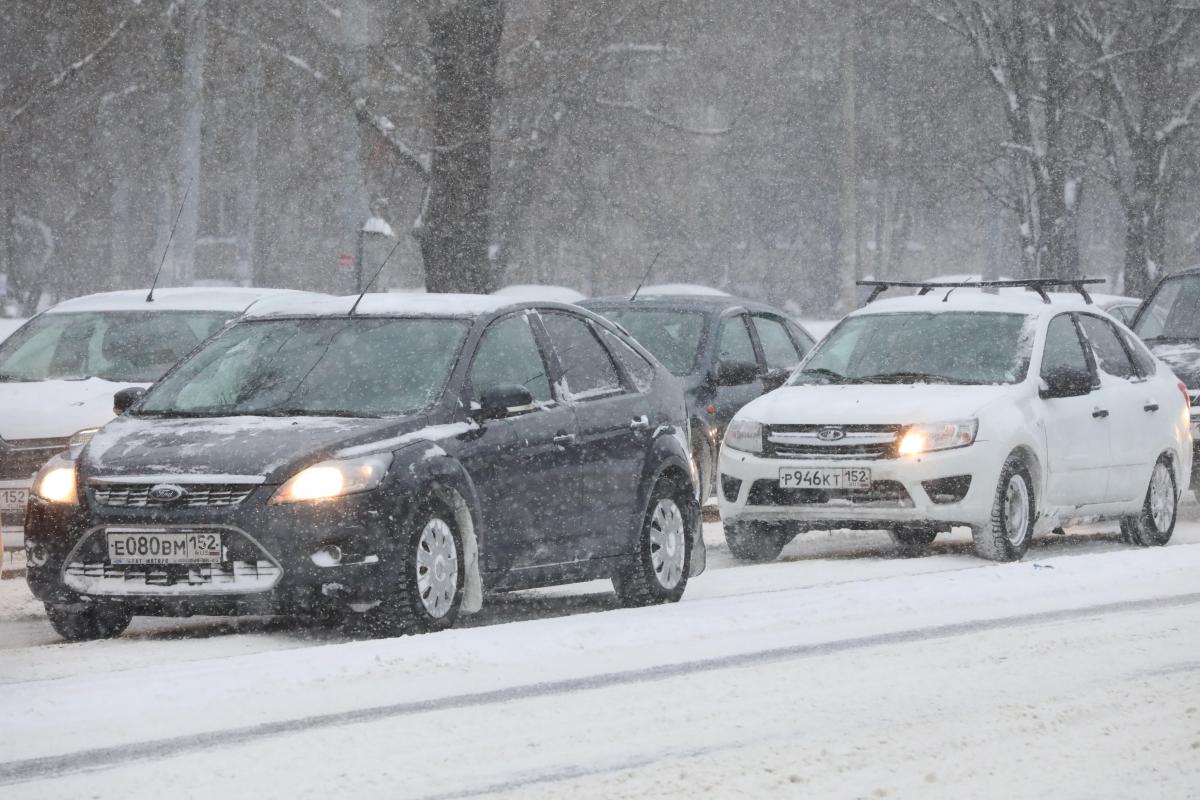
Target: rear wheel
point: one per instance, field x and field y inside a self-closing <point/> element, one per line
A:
<point x="1007" y="536"/>
<point x="427" y="576"/>
<point x="756" y="542"/>
<point x="912" y="540"/>
<point x="659" y="571"/>
<point x="85" y="622"/>
<point x="1156" y="523"/>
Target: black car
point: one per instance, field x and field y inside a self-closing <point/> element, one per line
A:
<point x="399" y="459"/>
<point x="1169" y="323"/>
<point x="726" y="351"/>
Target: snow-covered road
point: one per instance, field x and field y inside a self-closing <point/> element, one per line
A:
<point x="839" y="671"/>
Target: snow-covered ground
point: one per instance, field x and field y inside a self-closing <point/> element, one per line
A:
<point x="839" y="671"/>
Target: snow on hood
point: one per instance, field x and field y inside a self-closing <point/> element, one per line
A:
<point x="55" y="409"/>
<point x="1183" y="358"/>
<point x="866" y="404"/>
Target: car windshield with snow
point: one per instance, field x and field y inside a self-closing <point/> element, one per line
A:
<point x="1013" y="415"/>
<point x="394" y="462"/>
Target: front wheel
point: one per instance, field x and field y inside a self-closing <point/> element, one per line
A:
<point x="1007" y="536"/>
<point x="426" y="576"/>
<point x="659" y="570"/>
<point x="86" y="622"/>
<point x="1156" y="523"/>
<point x="756" y="542"/>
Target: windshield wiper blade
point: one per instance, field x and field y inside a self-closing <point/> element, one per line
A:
<point x="308" y="412"/>
<point x="835" y="377"/>
<point x="905" y="377"/>
<point x="1170" y="339"/>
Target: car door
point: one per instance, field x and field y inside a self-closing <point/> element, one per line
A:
<point x="614" y="431"/>
<point x="733" y="343"/>
<point x="524" y="465"/>
<point x="1076" y="428"/>
<point x="1132" y="410"/>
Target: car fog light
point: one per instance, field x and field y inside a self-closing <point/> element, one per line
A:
<point x="37" y="555"/>
<point x="328" y="556"/>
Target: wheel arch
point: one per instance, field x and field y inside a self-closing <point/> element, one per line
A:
<point x="672" y="459"/>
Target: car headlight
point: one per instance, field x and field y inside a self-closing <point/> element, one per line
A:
<point x="334" y="478"/>
<point x="937" y="436"/>
<point x="55" y="482"/>
<point x="744" y="435"/>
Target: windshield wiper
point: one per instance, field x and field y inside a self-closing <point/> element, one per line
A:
<point x="907" y="377"/>
<point x="309" y="412"/>
<point x="834" y="377"/>
<point x="1170" y="339"/>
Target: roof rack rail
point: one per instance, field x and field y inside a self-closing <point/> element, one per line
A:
<point x="1039" y="285"/>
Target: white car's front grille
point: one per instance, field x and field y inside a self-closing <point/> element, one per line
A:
<point x="831" y="442"/>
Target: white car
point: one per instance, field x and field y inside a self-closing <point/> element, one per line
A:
<point x="1012" y="414"/>
<point x="60" y="370"/>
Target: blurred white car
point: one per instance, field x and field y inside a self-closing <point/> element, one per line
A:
<point x="60" y="370"/>
<point x="1013" y="414"/>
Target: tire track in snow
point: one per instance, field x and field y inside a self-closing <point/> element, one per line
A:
<point x="32" y="769"/>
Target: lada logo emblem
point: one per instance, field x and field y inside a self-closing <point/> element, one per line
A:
<point x="831" y="434"/>
<point x="166" y="492"/>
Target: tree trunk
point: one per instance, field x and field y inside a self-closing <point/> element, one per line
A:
<point x="454" y="225"/>
<point x="183" y="247"/>
<point x="847" y="156"/>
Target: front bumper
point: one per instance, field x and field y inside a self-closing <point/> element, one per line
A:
<point x="901" y="490"/>
<point x="275" y="557"/>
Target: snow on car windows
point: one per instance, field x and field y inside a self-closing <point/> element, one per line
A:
<point x="951" y="347"/>
<point x="672" y="336"/>
<point x="352" y="367"/>
<point x="129" y="347"/>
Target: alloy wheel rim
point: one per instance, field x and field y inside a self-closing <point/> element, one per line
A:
<point x="437" y="568"/>
<point x="667" y="545"/>
<point x="1162" y="497"/>
<point x="1016" y="509"/>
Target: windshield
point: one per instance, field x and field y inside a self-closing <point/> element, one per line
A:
<point x="952" y="347"/>
<point x="339" y="366"/>
<point x="672" y="336"/>
<point x="1173" y="313"/>
<point x="118" y="346"/>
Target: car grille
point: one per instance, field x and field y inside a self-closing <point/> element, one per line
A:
<point x="21" y="458"/>
<point x="882" y="494"/>
<point x="818" y="442"/>
<point x="245" y="568"/>
<point x="137" y="495"/>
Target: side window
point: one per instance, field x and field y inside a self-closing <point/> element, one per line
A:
<point x="508" y="353"/>
<point x="1142" y="360"/>
<point x="734" y="342"/>
<point x="777" y="344"/>
<point x="639" y="369"/>
<point x="1110" y="353"/>
<point x="802" y="338"/>
<point x="587" y="368"/>
<point x="1063" y="350"/>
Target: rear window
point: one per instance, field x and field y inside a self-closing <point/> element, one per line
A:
<point x="673" y="337"/>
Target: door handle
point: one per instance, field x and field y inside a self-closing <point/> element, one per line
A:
<point x="1100" y="413"/>
<point x="564" y="439"/>
<point x="640" y="423"/>
<point x="1150" y="406"/>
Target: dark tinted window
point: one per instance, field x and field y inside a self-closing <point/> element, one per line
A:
<point x="1064" y="350"/>
<point x="672" y="336"/>
<point x="1173" y="312"/>
<point x="508" y="353"/>
<point x="734" y="343"/>
<point x="1110" y="353"/>
<point x="778" y="347"/>
<point x="587" y="367"/>
<point x="639" y="369"/>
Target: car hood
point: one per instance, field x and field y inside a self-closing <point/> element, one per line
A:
<point x="1183" y="358"/>
<point x="870" y="404"/>
<point x="55" y="409"/>
<point x="272" y="447"/>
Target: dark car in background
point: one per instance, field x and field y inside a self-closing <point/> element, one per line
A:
<point x="1169" y="323"/>
<point x="727" y="351"/>
<point x="397" y="459"/>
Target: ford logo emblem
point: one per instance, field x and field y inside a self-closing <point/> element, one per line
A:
<point x="166" y="492"/>
<point x="831" y="434"/>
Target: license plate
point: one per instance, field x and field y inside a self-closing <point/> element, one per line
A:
<point x="126" y="547"/>
<point x="13" y="499"/>
<point x="824" y="478"/>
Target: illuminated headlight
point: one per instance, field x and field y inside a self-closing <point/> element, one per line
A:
<point x="55" y="482"/>
<point x="937" y="436"/>
<point x="334" y="478"/>
<point x="744" y="435"/>
<point x="79" y="439"/>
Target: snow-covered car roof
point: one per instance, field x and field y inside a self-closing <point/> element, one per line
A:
<point x="966" y="299"/>
<point x="1106" y="300"/>
<point x="537" y="293"/>
<point x="682" y="289"/>
<point x="388" y="304"/>
<point x="235" y="299"/>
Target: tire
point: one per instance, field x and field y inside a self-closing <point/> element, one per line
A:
<point x="756" y="542"/>
<point x="426" y="576"/>
<point x="912" y="540"/>
<point x="87" y="622"/>
<point x="1154" y="526"/>
<point x="659" y="571"/>
<point x="706" y="462"/>
<point x="1007" y="536"/>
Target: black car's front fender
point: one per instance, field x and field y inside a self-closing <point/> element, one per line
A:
<point x="670" y="454"/>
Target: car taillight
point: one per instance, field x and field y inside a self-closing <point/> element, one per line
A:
<point x="1187" y="398"/>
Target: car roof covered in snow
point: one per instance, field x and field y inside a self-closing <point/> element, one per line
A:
<point x="967" y="299"/>
<point x="234" y="299"/>
<point x="536" y="292"/>
<point x="391" y="304"/>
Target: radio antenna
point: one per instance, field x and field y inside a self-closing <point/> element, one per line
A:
<point x="653" y="261"/>
<point x="167" y="249"/>
<point x="371" y="282"/>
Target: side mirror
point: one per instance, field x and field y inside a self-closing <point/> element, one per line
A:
<point x="499" y="401"/>
<point x="1066" y="382"/>
<point x="735" y="373"/>
<point x="775" y="378"/>
<point x="124" y="399"/>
